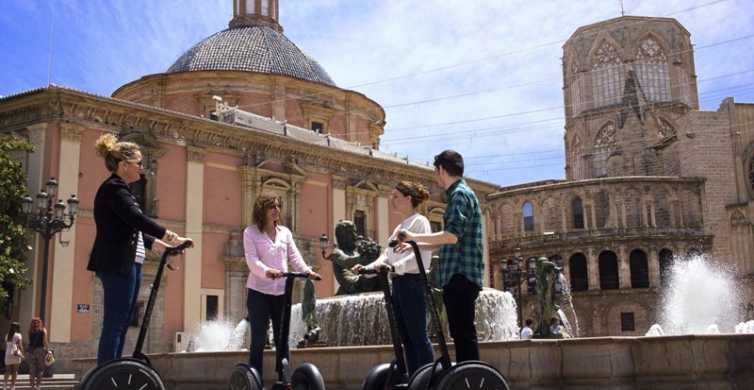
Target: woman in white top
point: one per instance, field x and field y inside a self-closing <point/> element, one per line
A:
<point x="13" y="355"/>
<point x="408" y="289"/>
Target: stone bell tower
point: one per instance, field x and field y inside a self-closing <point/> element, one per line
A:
<point x="628" y="83"/>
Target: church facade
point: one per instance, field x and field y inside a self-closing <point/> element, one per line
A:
<point x="650" y="179"/>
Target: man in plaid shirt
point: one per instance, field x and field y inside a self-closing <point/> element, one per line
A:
<point x="461" y="266"/>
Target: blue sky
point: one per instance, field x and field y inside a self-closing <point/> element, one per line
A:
<point x="482" y="77"/>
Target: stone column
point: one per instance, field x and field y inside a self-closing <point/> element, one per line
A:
<point x="194" y="225"/>
<point x="34" y="182"/>
<point x="61" y="299"/>
<point x="338" y="212"/>
<point x="383" y="222"/>
<point x="624" y="270"/>
<point x="248" y="193"/>
<point x="654" y="267"/>
<point x="592" y="269"/>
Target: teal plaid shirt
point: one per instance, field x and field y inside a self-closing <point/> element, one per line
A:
<point x="463" y="218"/>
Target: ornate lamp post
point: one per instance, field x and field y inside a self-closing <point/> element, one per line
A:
<point x="324" y="241"/>
<point x="512" y="276"/>
<point x="48" y="218"/>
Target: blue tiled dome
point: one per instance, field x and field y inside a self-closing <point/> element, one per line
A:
<point x="253" y="49"/>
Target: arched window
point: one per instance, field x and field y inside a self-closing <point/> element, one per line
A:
<point x="608" y="261"/>
<point x="528" y="210"/>
<point x="578" y="272"/>
<point x="577" y="208"/>
<point x="652" y="71"/>
<point x="639" y="269"/>
<point x="666" y="266"/>
<point x="607" y="76"/>
<point x="604" y="143"/>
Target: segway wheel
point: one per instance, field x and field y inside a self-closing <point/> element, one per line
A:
<point x="307" y="377"/>
<point x="422" y="376"/>
<point x="123" y="374"/>
<point x="472" y="375"/>
<point x="244" y="377"/>
<point x="377" y="377"/>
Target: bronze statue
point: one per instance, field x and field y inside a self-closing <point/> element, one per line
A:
<point x="309" y="317"/>
<point x="352" y="250"/>
<point x="547" y="275"/>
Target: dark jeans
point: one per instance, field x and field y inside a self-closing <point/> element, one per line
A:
<point x="460" y="296"/>
<point x="261" y="308"/>
<point x="411" y="315"/>
<point x="120" y="298"/>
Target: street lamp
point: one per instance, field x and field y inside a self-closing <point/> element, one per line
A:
<point x="48" y="218"/>
<point x="323" y="243"/>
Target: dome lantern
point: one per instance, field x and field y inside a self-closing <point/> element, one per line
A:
<point x="256" y="12"/>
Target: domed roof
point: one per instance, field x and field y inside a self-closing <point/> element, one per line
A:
<point x="254" y="49"/>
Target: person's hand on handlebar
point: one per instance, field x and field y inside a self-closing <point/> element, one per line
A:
<point x="358" y="268"/>
<point x="273" y="273"/>
<point x="314" y="276"/>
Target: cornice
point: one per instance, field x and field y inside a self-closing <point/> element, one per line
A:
<point x="92" y="111"/>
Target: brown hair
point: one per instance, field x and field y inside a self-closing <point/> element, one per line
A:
<point x="264" y="201"/>
<point x="416" y="191"/>
<point x="113" y="151"/>
<point x="31" y="325"/>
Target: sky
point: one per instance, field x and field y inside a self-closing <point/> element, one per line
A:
<point x="482" y="77"/>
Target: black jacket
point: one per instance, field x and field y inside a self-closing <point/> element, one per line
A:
<point x="119" y="219"/>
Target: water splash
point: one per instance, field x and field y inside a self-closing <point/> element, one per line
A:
<point x="745" y="327"/>
<point x="567" y="302"/>
<point x="700" y="299"/>
<point x="361" y="319"/>
<point x="217" y="336"/>
<point x="655" y="331"/>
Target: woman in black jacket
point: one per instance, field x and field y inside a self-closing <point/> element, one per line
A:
<point x="123" y="235"/>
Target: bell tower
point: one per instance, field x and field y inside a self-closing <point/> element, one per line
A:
<point x="256" y="12"/>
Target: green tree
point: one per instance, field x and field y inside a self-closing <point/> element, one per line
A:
<point x="14" y="244"/>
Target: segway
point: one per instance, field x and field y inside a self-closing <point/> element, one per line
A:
<point x="135" y="372"/>
<point x="305" y="377"/>
<point x="388" y="376"/>
<point x="442" y="374"/>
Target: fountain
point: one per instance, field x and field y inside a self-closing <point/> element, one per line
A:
<point x="700" y="299"/>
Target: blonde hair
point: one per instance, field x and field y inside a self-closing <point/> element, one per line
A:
<point x="113" y="151"/>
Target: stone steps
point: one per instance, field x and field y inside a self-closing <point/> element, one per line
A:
<point x="57" y="382"/>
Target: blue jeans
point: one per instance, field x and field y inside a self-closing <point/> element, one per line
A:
<point x="263" y="307"/>
<point x="411" y="315"/>
<point x="120" y="299"/>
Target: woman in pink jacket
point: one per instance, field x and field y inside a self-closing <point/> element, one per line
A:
<point x="268" y="247"/>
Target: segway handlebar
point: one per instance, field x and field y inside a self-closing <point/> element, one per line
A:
<point x="177" y="250"/>
<point x="298" y="275"/>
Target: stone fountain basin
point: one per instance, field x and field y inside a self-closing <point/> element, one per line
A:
<point x="669" y="362"/>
